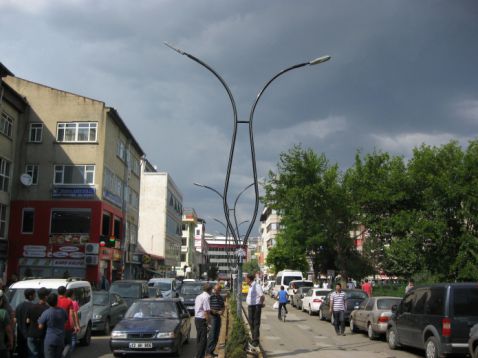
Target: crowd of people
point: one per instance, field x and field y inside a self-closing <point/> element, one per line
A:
<point x="45" y="328"/>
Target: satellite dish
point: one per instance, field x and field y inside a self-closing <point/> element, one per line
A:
<point x="26" y="179"/>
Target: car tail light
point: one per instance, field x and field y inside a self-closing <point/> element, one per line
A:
<point x="382" y="319"/>
<point x="446" y="327"/>
<point x="317" y="300"/>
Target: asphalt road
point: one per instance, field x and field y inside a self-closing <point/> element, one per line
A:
<point x="99" y="347"/>
<point x="304" y="336"/>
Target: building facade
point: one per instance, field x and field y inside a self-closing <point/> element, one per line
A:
<point x="269" y="228"/>
<point x="221" y="254"/>
<point x="189" y="265"/>
<point x="160" y="226"/>
<point x="75" y="209"/>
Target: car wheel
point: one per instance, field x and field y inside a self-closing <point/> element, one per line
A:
<point x="321" y="316"/>
<point x="86" y="340"/>
<point x="353" y="327"/>
<point x="432" y="348"/>
<point x="392" y="338"/>
<point x="310" y="311"/>
<point x="371" y="334"/>
<point x="107" y="330"/>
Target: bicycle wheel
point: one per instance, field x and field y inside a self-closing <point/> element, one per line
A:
<point x="283" y="314"/>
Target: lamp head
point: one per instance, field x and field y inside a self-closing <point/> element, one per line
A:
<point x="319" y="60"/>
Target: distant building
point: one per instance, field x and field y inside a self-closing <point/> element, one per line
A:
<point x="160" y="223"/>
<point x="76" y="185"/>
<point x="189" y="258"/>
<point x="222" y="254"/>
<point x="270" y="226"/>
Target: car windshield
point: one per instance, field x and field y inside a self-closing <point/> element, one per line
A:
<point x="163" y="286"/>
<point x="356" y="295"/>
<point x="287" y="279"/>
<point x="126" y="289"/>
<point x="188" y="289"/>
<point x="100" y="298"/>
<point x="303" y="284"/>
<point x="17" y="295"/>
<point x="387" y="303"/>
<point x="152" y="309"/>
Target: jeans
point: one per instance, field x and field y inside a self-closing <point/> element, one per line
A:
<point x="280" y="307"/>
<point x="255" y="322"/>
<point x="53" y="351"/>
<point x="22" y="348"/>
<point x="339" y="321"/>
<point x="213" y="333"/>
<point x="201" y="329"/>
<point x="35" y="347"/>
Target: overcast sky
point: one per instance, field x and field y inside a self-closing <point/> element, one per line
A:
<point x="402" y="73"/>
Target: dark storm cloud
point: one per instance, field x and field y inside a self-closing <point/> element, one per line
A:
<point x="402" y="73"/>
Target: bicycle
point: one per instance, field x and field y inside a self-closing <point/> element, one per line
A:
<point x="283" y="313"/>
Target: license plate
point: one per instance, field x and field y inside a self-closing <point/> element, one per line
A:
<point x="141" y="345"/>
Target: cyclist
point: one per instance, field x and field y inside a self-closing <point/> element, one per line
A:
<point x="283" y="298"/>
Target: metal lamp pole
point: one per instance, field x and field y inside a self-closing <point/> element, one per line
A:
<point x="253" y="155"/>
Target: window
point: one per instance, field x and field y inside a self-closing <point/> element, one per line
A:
<point x="133" y="198"/>
<point x="3" y="221"/>
<point x="134" y="163"/>
<point x="465" y="301"/>
<point x="421" y="298"/>
<point x="113" y="183"/>
<point x="4" y="174"/>
<point x="32" y="170"/>
<point x="28" y="216"/>
<point x="81" y="132"/>
<point x="105" y="227"/>
<point x="407" y="303"/>
<point x="370" y="303"/>
<point x="74" y="174"/>
<point x="436" y="298"/>
<point x="36" y="133"/>
<point x="183" y="258"/>
<point x="70" y="221"/>
<point x="121" y="150"/>
<point x="184" y="241"/>
<point x="6" y="124"/>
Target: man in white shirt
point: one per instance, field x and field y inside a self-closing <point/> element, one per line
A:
<point x="255" y="302"/>
<point x="201" y="319"/>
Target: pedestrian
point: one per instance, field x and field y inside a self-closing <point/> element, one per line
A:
<point x="283" y="297"/>
<point x="21" y="316"/>
<point x="350" y="284"/>
<point x="411" y="284"/>
<point x="70" y="326"/>
<point x="201" y="319"/>
<point x="367" y="288"/>
<point x="6" y="330"/>
<point x="216" y="303"/>
<point x="53" y="320"/>
<point x="255" y="301"/>
<point x="35" y="336"/>
<point x="74" y="320"/>
<point x="337" y="309"/>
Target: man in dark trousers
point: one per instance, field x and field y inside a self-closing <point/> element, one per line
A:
<point x="22" y="327"/>
<point x="201" y="319"/>
<point x="255" y="301"/>
<point x="216" y="302"/>
<point x="35" y="336"/>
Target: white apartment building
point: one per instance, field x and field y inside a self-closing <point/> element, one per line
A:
<point x="270" y="226"/>
<point x="160" y="221"/>
<point x="189" y="264"/>
<point x="218" y="251"/>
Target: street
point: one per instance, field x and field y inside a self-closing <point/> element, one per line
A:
<point x="99" y="347"/>
<point x="303" y="336"/>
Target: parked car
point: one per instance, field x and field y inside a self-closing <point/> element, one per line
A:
<point x="130" y="290"/>
<point x="312" y="301"/>
<point x="373" y="315"/>
<point x="473" y="341"/>
<point x="160" y="325"/>
<point x="81" y="289"/>
<point x="108" y="310"/>
<point x="188" y="294"/>
<point x="436" y="318"/>
<point x="267" y="286"/>
<point x="296" y="284"/>
<point x="168" y="286"/>
<point x="353" y="299"/>
<point x="283" y="278"/>
<point x="296" y="299"/>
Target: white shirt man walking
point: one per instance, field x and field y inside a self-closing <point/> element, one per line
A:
<point x="255" y="302"/>
<point x="201" y="318"/>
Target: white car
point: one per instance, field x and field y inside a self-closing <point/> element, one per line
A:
<point x="314" y="298"/>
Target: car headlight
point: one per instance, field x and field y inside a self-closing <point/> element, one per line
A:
<point x="166" y="335"/>
<point x="97" y="316"/>
<point x="119" y="335"/>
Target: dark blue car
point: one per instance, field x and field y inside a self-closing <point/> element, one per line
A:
<point x="152" y="326"/>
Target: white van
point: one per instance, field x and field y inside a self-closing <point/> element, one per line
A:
<point x="83" y="295"/>
<point x="284" y="277"/>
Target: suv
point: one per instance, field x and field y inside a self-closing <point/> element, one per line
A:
<point x="81" y="289"/>
<point x="436" y="318"/>
<point x="130" y="290"/>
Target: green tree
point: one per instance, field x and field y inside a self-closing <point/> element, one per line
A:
<point x="251" y="266"/>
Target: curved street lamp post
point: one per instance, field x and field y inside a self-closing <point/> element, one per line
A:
<point x="249" y="122"/>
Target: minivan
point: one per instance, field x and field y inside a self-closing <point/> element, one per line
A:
<point x="284" y="277"/>
<point x="81" y="289"/>
<point x="168" y="286"/>
<point x="436" y="318"/>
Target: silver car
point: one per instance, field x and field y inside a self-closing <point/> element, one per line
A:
<point x="373" y="315"/>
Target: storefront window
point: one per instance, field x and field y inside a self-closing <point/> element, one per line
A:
<point x="65" y="221"/>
